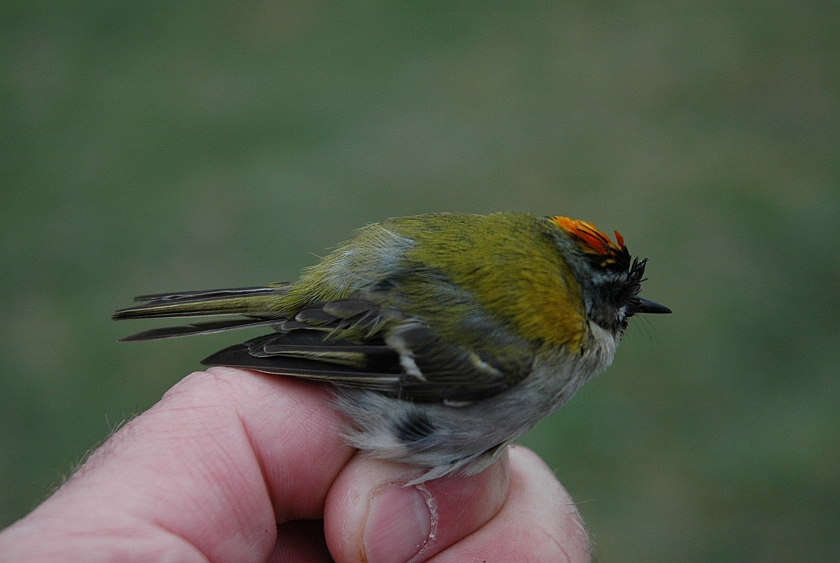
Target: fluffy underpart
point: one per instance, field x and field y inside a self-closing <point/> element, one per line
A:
<point x="465" y="439"/>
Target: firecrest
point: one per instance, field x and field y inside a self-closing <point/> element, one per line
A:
<point x="445" y="336"/>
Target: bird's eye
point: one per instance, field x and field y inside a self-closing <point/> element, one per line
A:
<point x="618" y="295"/>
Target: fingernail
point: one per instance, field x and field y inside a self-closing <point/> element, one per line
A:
<point x="398" y="525"/>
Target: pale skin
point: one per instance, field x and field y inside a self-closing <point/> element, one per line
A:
<point x="237" y="466"/>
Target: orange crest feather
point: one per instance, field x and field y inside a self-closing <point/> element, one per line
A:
<point x="594" y="241"/>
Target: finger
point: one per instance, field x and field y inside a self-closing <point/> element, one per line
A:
<point x="538" y="522"/>
<point x="372" y="516"/>
<point x="210" y="470"/>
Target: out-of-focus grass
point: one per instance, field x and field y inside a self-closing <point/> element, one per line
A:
<point x="152" y="147"/>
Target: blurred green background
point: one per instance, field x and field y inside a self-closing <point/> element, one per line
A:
<point x="156" y="146"/>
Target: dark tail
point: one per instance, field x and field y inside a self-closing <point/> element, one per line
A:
<point x="253" y="303"/>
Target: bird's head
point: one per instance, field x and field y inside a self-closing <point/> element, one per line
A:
<point x="610" y="278"/>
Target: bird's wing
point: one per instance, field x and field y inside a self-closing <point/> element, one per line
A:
<point x="355" y="341"/>
<point x="351" y="342"/>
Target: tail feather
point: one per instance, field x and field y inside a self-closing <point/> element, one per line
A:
<point x="210" y="327"/>
<point x="203" y="295"/>
<point x="241" y="301"/>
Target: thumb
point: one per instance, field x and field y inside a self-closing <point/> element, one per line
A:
<point x="370" y="515"/>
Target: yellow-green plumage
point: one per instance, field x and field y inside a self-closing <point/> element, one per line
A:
<point x="510" y="263"/>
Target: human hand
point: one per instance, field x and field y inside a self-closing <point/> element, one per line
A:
<point x="234" y="465"/>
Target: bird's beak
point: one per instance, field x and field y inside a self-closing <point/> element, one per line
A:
<point x="648" y="306"/>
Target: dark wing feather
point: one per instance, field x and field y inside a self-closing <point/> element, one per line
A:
<point x="376" y="368"/>
<point x="452" y="372"/>
<point x="312" y="347"/>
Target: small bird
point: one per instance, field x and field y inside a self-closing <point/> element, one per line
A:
<point x="446" y="336"/>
